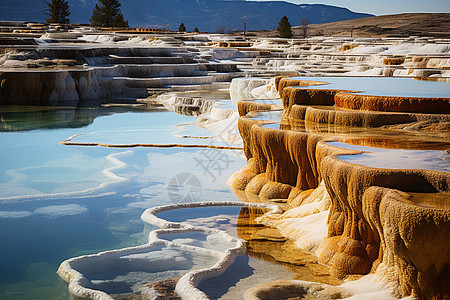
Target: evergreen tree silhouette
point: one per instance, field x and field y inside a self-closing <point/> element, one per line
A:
<point x="182" y="28"/>
<point x="284" y="28"/>
<point x="107" y="13"/>
<point x="57" y="11"/>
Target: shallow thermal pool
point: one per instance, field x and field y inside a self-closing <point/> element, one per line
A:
<point x="377" y="137"/>
<point x="223" y="218"/>
<point x="58" y="201"/>
<point x="383" y="86"/>
<point x="437" y="160"/>
<point x="172" y="253"/>
<point x="127" y="273"/>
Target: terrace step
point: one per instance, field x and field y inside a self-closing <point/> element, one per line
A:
<point x="196" y="87"/>
<point x="114" y="59"/>
<point x="163" y="81"/>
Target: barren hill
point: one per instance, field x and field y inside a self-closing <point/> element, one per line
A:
<point x="207" y="15"/>
<point x="401" y="25"/>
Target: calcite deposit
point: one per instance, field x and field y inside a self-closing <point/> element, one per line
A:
<point x="86" y="65"/>
<point x="312" y="144"/>
<point x="378" y="220"/>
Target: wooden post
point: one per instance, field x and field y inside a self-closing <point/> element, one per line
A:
<point x="245" y="27"/>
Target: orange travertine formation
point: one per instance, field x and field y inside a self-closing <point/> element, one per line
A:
<point x="377" y="223"/>
<point x="414" y="246"/>
<point x="34" y="92"/>
<point x="284" y="82"/>
<point x="393" y="104"/>
<point x="234" y="44"/>
<point x="348" y="99"/>
<point x="245" y="107"/>
<point x="393" y="61"/>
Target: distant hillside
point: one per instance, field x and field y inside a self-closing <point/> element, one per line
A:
<point x="207" y="15"/>
<point x="401" y="25"/>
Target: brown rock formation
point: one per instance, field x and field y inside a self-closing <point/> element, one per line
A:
<point x="160" y="290"/>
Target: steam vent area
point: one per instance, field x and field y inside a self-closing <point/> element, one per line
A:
<point x="209" y="166"/>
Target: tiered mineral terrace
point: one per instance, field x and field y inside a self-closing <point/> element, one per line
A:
<point x="70" y="68"/>
<point x="364" y="165"/>
<point x="345" y="193"/>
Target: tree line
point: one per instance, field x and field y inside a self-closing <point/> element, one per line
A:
<point x="107" y="13"/>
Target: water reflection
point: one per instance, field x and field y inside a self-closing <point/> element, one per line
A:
<point x="59" y="202"/>
<point x="437" y="200"/>
<point x="396" y="158"/>
<point x="23" y="118"/>
<point x="372" y="137"/>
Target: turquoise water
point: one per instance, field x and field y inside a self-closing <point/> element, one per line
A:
<point x="57" y="201"/>
<point x="384" y="86"/>
<point x="396" y="158"/>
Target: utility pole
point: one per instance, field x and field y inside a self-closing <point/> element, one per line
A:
<point x="245" y="27"/>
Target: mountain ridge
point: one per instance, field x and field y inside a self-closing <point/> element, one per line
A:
<point x="207" y="15"/>
<point x="435" y="25"/>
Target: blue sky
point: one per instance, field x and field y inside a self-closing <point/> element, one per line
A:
<point x="385" y="7"/>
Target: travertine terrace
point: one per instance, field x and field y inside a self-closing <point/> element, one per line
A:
<point x="358" y="167"/>
<point x="74" y="67"/>
<point x="380" y="220"/>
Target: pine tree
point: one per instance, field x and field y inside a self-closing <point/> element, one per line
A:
<point x="107" y="13"/>
<point x="284" y="28"/>
<point x="182" y="28"/>
<point x="57" y="11"/>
